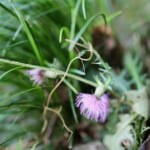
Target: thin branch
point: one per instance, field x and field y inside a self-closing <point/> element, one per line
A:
<point x="61" y="118"/>
<point x="58" y="84"/>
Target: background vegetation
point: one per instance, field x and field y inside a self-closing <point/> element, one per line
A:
<point x="43" y="34"/>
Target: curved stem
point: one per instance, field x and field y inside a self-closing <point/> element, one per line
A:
<point x="61" y="118"/>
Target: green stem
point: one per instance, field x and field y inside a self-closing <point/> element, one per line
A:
<point x="72" y="107"/>
<point x="70" y="86"/>
<point x="71" y="141"/>
<point x="58" y="72"/>
<point x="82" y="80"/>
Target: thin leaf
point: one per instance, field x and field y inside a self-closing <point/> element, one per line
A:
<point x="8" y="10"/>
<point x="83" y="9"/>
<point x="19" y="146"/>
<point x="72" y="107"/>
<point x="83" y="29"/>
<point x="34" y="146"/>
<point x="5" y="73"/>
<point x="29" y="35"/>
<point x="62" y="30"/>
<point x="17" y="94"/>
<point x="74" y="17"/>
<point x="78" y="72"/>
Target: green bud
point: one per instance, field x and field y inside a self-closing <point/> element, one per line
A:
<point x="51" y="74"/>
<point x="99" y="90"/>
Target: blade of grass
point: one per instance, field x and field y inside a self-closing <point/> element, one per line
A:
<point x="72" y="106"/>
<point x="83" y="9"/>
<point x="18" y="43"/>
<point x="29" y="35"/>
<point x="54" y="48"/>
<point x="19" y="146"/>
<point x="18" y="94"/>
<point x="12" y="137"/>
<point x="18" y="105"/>
<point x="45" y="13"/>
<point x="34" y="146"/>
<point x="8" y="10"/>
<point x="74" y="13"/>
<point x="5" y="73"/>
<point x="112" y="16"/>
<point x="105" y="20"/>
<point x="84" y="28"/>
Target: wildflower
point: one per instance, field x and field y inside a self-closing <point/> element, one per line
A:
<point x="92" y="107"/>
<point x="38" y="75"/>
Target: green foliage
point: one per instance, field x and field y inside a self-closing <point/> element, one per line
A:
<point x="123" y="133"/>
<point x="35" y="35"/>
<point x="135" y="66"/>
<point x="139" y="98"/>
<point x="20" y="146"/>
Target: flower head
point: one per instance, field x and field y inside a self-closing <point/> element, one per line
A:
<point x="92" y="107"/>
<point x="38" y="75"/>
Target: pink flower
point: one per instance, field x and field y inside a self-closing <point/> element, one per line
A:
<point x="92" y="107"/>
<point x="37" y="75"/>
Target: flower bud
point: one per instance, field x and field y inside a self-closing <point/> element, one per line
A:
<point x="51" y="74"/>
